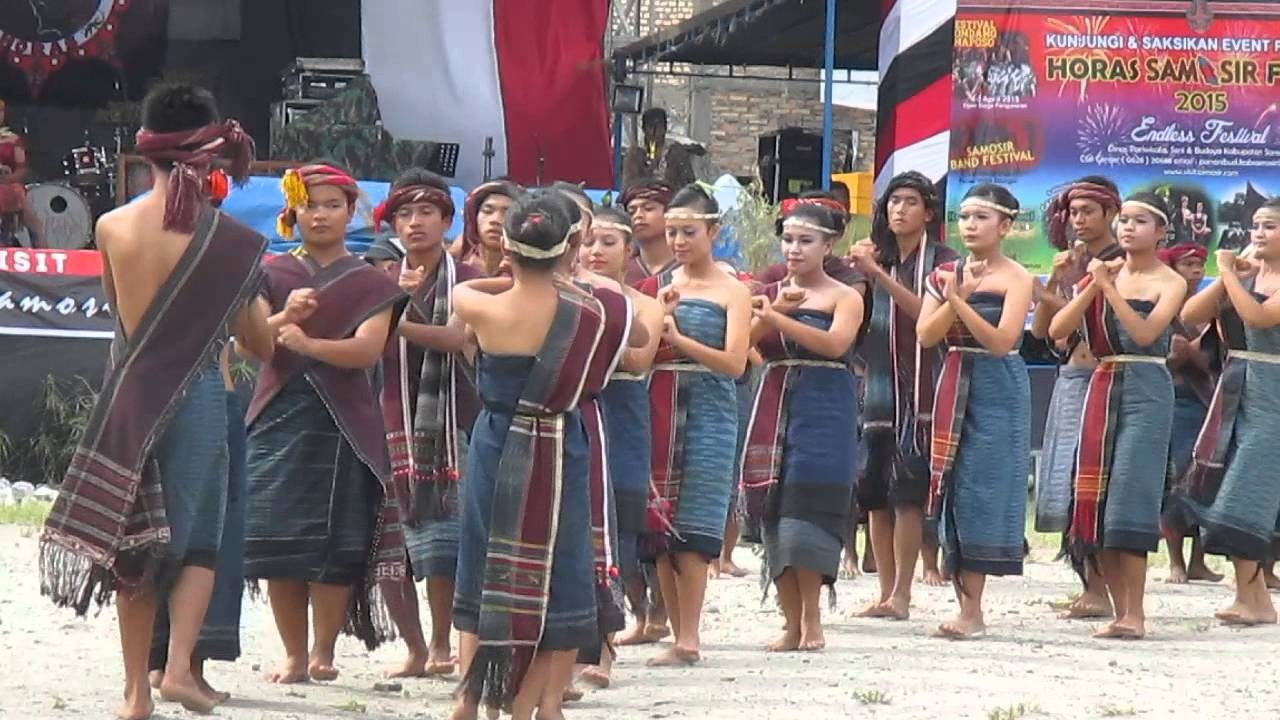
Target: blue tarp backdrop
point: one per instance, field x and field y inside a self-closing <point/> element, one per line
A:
<point x="258" y="203"/>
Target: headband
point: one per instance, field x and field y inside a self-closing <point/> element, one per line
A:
<point x="610" y="225"/>
<point x="1172" y="256"/>
<point x="411" y="194"/>
<point x="1059" y="210"/>
<point x="1150" y="208"/>
<point x="686" y="214"/>
<point x="659" y="192"/>
<point x="192" y="152"/>
<point x="789" y="205"/>
<point x="796" y="222"/>
<point x="295" y="184"/>
<point x="990" y="205"/>
<point x="536" y="253"/>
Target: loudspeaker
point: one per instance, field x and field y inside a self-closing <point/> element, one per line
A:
<point x="790" y="162"/>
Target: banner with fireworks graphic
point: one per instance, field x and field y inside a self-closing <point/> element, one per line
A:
<point x="1182" y="98"/>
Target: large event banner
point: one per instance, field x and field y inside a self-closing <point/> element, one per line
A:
<point x="53" y="293"/>
<point x="1182" y="98"/>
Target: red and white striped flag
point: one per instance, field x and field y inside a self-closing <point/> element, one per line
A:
<point x="528" y="74"/>
<point x="914" y="106"/>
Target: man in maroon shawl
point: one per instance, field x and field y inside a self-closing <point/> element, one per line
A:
<point x="141" y="507"/>
<point x="324" y="526"/>
<point x="646" y="202"/>
<point x="428" y="406"/>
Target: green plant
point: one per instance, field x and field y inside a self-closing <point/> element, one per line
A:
<point x="1117" y="711"/>
<point x="754" y="224"/>
<point x="871" y="697"/>
<point x="1013" y="712"/>
<point x="30" y="514"/>
<point x="63" y="414"/>
<point x="352" y="706"/>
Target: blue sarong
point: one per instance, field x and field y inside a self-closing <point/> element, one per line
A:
<point x="312" y="503"/>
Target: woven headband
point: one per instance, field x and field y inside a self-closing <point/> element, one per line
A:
<point x="536" y="253"/>
<point x="683" y="214"/>
<point x="1150" y="208"/>
<point x="610" y="225"/>
<point x="990" y="205"/>
<point x="806" y="225"/>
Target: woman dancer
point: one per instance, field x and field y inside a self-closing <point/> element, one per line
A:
<point x="625" y="403"/>
<point x="1230" y="490"/>
<point x="798" y="467"/>
<point x="694" y="415"/>
<point x="526" y="503"/>
<point x="1125" y="309"/>
<point x="981" y="424"/>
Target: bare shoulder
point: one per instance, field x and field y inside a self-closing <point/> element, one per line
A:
<point x="112" y="225"/>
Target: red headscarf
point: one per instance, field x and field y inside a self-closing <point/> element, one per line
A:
<point x="1173" y="255"/>
<point x="658" y="191"/>
<point x="1059" y="210"/>
<point x="192" y="153"/>
<point x="386" y="210"/>
<point x="295" y="184"/>
<point x="789" y="205"/>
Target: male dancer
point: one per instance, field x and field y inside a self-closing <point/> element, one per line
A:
<point x="905" y="246"/>
<point x="1088" y="207"/>
<point x="646" y="201"/>
<point x="482" y="216"/>
<point x="139" y="517"/>
<point x="323" y="525"/>
<point x="428" y="405"/>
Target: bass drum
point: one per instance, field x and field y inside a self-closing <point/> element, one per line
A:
<point x="65" y="218"/>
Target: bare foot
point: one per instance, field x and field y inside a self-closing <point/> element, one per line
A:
<point x="217" y="696"/>
<point x="873" y="610"/>
<point x="294" y="670"/>
<point x="322" y="671"/>
<point x="812" y="639"/>
<point x="1120" y="630"/>
<point x="1242" y="615"/>
<point x="1273" y="582"/>
<point x="654" y="633"/>
<point x="729" y="568"/>
<point x="789" y="642"/>
<point x="187" y="693"/>
<point x="896" y="608"/>
<point x="961" y="629"/>
<point x="1177" y="575"/>
<point x="933" y="578"/>
<point x="675" y="657"/>
<point x="571" y="694"/>
<point x="1086" y="607"/>
<point x="415" y="666"/>
<point x="594" y="676"/>
<point x="155" y="677"/>
<point x="713" y="569"/>
<point x="137" y="703"/>
<point x="1202" y="572"/>
<point x="637" y="635"/>
<point x="849" y="566"/>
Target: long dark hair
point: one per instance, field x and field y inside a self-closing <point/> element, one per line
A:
<point x="885" y="241"/>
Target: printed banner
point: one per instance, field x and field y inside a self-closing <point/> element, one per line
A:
<point x="1182" y="98"/>
<point x="53" y="293"/>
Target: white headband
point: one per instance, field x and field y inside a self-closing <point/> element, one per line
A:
<point x="682" y="214"/>
<point x="607" y="225"/>
<point x="1149" y="208"/>
<point x="536" y="253"/>
<point x="806" y="225"/>
<point x="982" y="202"/>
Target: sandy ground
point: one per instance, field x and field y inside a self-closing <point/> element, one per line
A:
<point x="1031" y="664"/>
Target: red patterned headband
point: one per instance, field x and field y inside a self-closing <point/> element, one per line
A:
<point x="1059" y="210"/>
<point x="408" y="194"/>
<point x="788" y="206"/>
<point x="192" y="153"/>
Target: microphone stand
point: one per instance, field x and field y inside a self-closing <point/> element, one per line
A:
<point x="489" y="154"/>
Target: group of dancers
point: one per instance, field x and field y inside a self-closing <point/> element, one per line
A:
<point x="566" y="414"/>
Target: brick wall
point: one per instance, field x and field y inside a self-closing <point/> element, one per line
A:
<point x="728" y="115"/>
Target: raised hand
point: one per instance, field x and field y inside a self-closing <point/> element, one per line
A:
<point x="863" y="255"/>
<point x="669" y="298"/>
<point x="411" y="279"/>
<point x="789" y="299"/>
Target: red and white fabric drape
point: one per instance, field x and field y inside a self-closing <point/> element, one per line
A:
<point x="529" y="75"/>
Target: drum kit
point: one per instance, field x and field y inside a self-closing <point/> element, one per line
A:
<point x="68" y="207"/>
